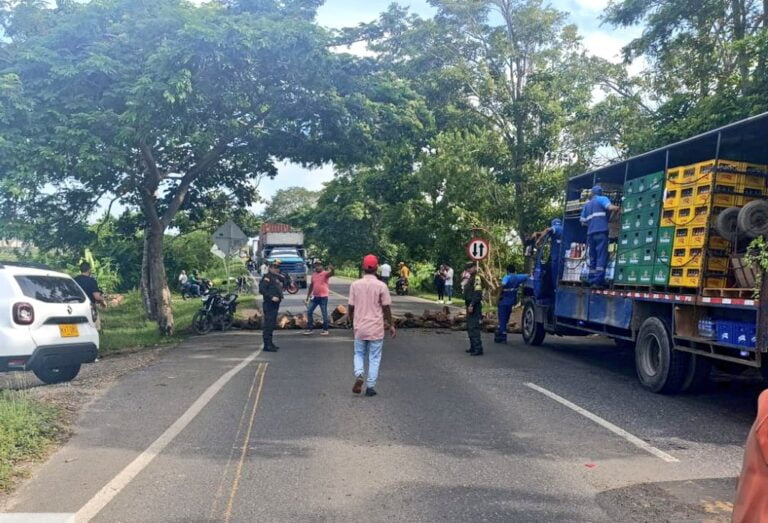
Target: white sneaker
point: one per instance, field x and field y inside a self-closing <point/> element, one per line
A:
<point x="439" y="301"/>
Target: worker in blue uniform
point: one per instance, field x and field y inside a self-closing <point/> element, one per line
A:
<point x="508" y="299"/>
<point x="555" y="235"/>
<point x="595" y="216"/>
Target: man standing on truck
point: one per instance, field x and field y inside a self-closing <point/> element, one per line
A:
<point x="271" y="288"/>
<point x="594" y="216"/>
<point x="473" y="298"/>
<point x="317" y="295"/>
<point x="510" y="283"/>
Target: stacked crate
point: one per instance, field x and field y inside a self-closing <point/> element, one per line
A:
<point x="639" y="237"/>
<point x="695" y="195"/>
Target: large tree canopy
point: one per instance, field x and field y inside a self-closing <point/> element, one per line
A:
<point x="157" y="103"/>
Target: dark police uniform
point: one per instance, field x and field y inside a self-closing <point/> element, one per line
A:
<point x="473" y="295"/>
<point x="270" y="287"/>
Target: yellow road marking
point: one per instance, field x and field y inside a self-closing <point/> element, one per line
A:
<point x="239" y="472"/>
<point x="234" y="446"/>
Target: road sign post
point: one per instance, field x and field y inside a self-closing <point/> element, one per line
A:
<point x="478" y="249"/>
<point x="229" y="239"/>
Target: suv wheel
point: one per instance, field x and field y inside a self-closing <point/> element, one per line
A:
<point x="51" y="375"/>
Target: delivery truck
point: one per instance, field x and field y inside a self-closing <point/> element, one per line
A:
<point x="282" y="242"/>
<point x="680" y="289"/>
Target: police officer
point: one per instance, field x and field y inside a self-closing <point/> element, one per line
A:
<point x="594" y="216"/>
<point x="507" y="301"/>
<point x="473" y="298"/>
<point x="271" y="288"/>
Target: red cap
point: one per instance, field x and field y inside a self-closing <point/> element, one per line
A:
<point x="370" y="262"/>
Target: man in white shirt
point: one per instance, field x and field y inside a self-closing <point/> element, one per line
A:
<point x="448" y="275"/>
<point x="386" y="273"/>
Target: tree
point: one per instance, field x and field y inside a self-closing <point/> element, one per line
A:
<point x="158" y="103"/>
<point x="288" y="204"/>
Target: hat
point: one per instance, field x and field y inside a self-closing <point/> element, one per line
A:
<point x="370" y="262"/>
<point x="556" y="222"/>
<point x="469" y="265"/>
<point x="597" y="190"/>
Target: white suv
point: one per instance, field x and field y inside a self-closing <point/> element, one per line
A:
<point x="46" y="323"/>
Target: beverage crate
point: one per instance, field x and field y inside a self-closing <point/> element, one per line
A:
<point x="638" y="238"/>
<point x="645" y="275"/>
<point x="651" y="199"/>
<point x="639" y="256"/>
<point x="640" y="219"/>
<point x="665" y="236"/>
<point x="696" y="257"/>
<point x="704" y="172"/>
<point x="725" y="194"/>
<point x="663" y="255"/>
<point x="756" y="169"/>
<point x="689" y="216"/>
<point x="660" y="274"/>
<point x="694" y="277"/>
<point x="644" y="183"/>
<point x="736" y="333"/>
<point x="755" y="183"/>
<point x="697" y="237"/>
<point x="696" y="194"/>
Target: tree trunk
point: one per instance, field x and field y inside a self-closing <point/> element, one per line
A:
<point x="159" y="293"/>
<point x="146" y="293"/>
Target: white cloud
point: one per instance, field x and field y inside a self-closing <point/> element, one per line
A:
<point x="592" y="5"/>
<point x="605" y="45"/>
<point x="357" y="49"/>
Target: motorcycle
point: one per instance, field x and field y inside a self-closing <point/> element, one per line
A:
<point x="217" y="311"/>
<point x="401" y="287"/>
<point x="204" y="286"/>
<point x="289" y="284"/>
<point x="243" y="285"/>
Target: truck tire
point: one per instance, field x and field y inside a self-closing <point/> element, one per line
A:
<point x="697" y="378"/>
<point x="726" y="224"/>
<point x="533" y="332"/>
<point x="753" y="219"/>
<point x="659" y="367"/>
<point x="51" y="375"/>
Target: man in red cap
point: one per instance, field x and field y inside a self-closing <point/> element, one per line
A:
<point x="751" y="504"/>
<point x="371" y="314"/>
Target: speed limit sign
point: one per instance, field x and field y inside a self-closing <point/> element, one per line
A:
<point x="478" y="249"/>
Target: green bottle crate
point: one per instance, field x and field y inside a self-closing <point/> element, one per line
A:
<point x="660" y="274"/>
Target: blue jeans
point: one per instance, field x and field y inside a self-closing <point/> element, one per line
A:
<point x="373" y="350"/>
<point x="598" y="257"/>
<point x="449" y="292"/>
<point x="323" y="303"/>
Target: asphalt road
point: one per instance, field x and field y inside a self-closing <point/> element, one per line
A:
<point x="215" y="430"/>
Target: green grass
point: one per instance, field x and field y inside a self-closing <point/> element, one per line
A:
<point x="126" y="326"/>
<point x="27" y="427"/>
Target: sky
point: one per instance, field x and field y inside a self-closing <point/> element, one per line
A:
<point x="603" y="41"/>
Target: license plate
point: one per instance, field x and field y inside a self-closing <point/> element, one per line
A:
<point x="69" y="331"/>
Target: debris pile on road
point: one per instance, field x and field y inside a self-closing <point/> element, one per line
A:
<point x="339" y="319"/>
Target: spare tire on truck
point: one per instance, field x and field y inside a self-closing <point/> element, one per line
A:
<point x="726" y="223"/>
<point x="753" y="219"/>
<point x="659" y="367"/>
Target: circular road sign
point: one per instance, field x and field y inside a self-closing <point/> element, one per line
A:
<point x="478" y="249"/>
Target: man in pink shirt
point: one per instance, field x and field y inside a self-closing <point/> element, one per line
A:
<point x="370" y="312"/>
<point x="751" y="504"/>
<point x="317" y="295"/>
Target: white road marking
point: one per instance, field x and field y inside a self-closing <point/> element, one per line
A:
<point x="125" y="476"/>
<point x="606" y="424"/>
